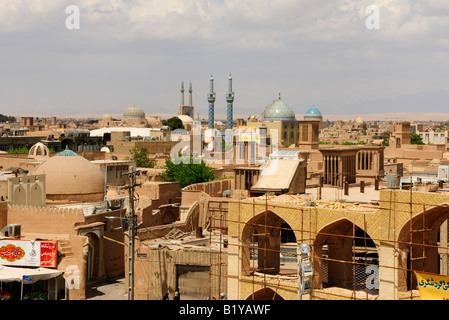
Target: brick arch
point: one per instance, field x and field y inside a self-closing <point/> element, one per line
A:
<point x="339" y="236"/>
<point x="264" y="294"/>
<point x="266" y="227"/>
<point x="422" y="230"/>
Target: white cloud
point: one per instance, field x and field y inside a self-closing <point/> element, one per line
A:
<point x="308" y="48"/>
<point x="240" y="22"/>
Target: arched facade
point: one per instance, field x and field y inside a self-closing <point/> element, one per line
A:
<point x="378" y="249"/>
<point x="338" y="251"/>
<point x="418" y="243"/>
<point x="262" y="239"/>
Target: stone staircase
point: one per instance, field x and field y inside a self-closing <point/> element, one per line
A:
<point x="65" y="249"/>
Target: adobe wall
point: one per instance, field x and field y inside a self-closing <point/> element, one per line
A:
<point x="213" y="188"/>
<point x="71" y="261"/>
<point x="54" y="224"/>
<point x="121" y="148"/>
<point x="76" y="291"/>
<point x="299" y="181"/>
<point x="157" y="271"/>
<point x="13" y="160"/>
<point x="166" y="192"/>
<point x="63" y="225"/>
<point x="4" y="189"/>
<point x="94" y="155"/>
<point x="52" y="220"/>
<point x="161" y="193"/>
<point x="113" y="252"/>
<point x="3" y="214"/>
<point x="423" y="152"/>
<point x="159" y="214"/>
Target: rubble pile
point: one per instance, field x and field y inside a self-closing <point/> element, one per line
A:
<point x="297" y="199"/>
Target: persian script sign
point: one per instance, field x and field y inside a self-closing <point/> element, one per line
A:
<point x="49" y="253"/>
<point x="11" y="253"/>
<point x="433" y="287"/>
<point x="29" y="253"/>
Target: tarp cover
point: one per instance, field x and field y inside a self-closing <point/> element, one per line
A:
<point x="277" y="174"/>
<point x="9" y="274"/>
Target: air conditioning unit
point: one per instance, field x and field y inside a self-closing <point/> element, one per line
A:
<point x="5" y="231"/>
<point x="14" y="230"/>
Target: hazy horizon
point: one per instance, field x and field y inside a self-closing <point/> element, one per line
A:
<point x="138" y="52"/>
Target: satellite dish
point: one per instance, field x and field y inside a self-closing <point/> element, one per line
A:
<point x="304" y="248"/>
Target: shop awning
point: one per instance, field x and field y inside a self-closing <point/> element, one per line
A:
<point x="27" y="275"/>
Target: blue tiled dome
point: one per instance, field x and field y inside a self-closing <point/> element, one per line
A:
<point x="67" y="153"/>
<point x="277" y="111"/>
<point x="313" y="114"/>
<point x="134" y="112"/>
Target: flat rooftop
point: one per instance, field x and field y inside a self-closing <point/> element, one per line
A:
<point x="335" y="194"/>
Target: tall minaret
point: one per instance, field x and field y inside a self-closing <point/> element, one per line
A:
<point x="182" y="98"/>
<point x="229" y="100"/>
<point x="211" y="99"/>
<point x="190" y="95"/>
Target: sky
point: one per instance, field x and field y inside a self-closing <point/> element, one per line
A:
<point x="137" y="52"/>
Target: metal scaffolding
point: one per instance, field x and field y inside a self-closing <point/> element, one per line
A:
<point x="359" y="252"/>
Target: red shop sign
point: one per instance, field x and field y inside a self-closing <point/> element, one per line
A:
<point x="11" y="253"/>
<point x="29" y="253"/>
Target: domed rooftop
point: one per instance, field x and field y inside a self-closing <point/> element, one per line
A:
<point x="107" y="117"/>
<point x="134" y="113"/>
<point x="39" y="151"/>
<point x="313" y="114"/>
<point x="72" y="178"/>
<point x="359" y="120"/>
<point x="278" y="111"/>
<point x="185" y="119"/>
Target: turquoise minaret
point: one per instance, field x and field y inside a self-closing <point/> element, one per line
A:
<point x="211" y="99"/>
<point x="229" y="100"/>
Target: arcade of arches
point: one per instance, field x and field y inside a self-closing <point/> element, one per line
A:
<point x="369" y="254"/>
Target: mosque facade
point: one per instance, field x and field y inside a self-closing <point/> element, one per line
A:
<point x="279" y="118"/>
<point x="132" y="117"/>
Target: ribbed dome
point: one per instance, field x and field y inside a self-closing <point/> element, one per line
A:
<point x="277" y="111"/>
<point x="313" y="114"/>
<point x="134" y="112"/>
<point x="39" y="151"/>
<point x="71" y="177"/>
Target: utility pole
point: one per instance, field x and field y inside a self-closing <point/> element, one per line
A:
<point x="132" y="228"/>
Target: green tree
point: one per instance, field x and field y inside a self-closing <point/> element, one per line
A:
<point x="19" y="150"/>
<point x="174" y="123"/>
<point x="4" y="118"/>
<point x="364" y="128"/>
<point x="140" y="156"/>
<point x="187" y="172"/>
<point x="416" y="139"/>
